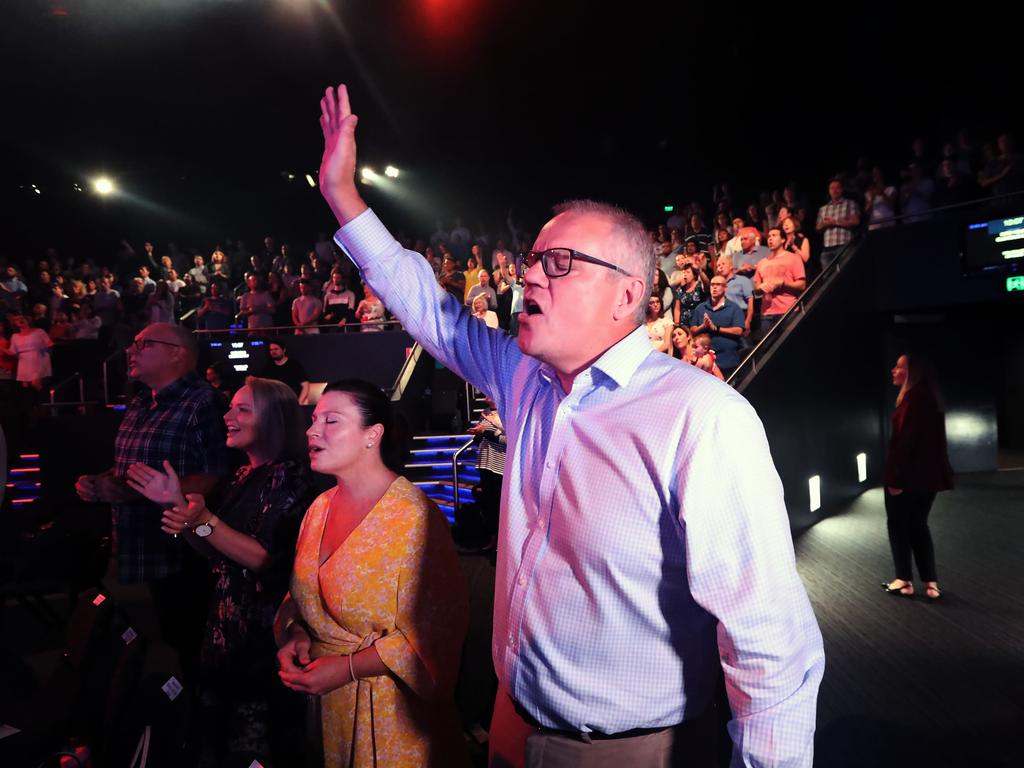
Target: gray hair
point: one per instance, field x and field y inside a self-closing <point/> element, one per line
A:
<point x="631" y="247"/>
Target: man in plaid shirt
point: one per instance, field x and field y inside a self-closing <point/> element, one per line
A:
<point x="180" y="419"/>
<point x="836" y="221"/>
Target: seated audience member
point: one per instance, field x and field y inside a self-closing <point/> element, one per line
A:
<point x="378" y="607"/>
<point x="250" y="543"/>
<point x="176" y="417"/>
<point x="483" y="288"/>
<point x="659" y="327"/>
<point x="780" y="276"/>
<point x="723" y="321"/>
<point x="306" y="309"/>
<point x="481" y="312"/>
<point x="704" y="356"/>
<point x="286" y="369"/>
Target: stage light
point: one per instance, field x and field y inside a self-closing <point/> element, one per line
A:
<point x="391" y="172"/>
<point x="862" y="467"/>
<point x="368" y="175"/>
<point x="103" y="186"/>
<point x="309" y="180"/>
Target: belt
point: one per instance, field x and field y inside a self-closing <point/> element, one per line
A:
<point x="584" y="736"/>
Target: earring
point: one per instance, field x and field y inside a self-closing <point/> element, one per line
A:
<point x="369" y="445"/>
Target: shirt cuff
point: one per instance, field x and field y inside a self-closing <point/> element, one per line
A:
<point x="363" y="236"/>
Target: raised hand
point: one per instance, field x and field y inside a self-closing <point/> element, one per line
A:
<point x="338" y="165"/>
<point x="161" y="487"/>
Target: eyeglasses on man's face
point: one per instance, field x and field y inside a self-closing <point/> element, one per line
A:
<point x="140" y="344"/>
<point x="557" y="262"/>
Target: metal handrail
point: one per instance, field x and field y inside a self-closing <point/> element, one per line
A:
<point x="68" y="380"/>
<point x="811" y="292"/>
<point x="346" y="328"/>
<point x="106" y="375"/>
<point x="405" y="373"/>
<point x="455" y="474"/>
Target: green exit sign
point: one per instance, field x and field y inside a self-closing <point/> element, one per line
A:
<point x="669" y="208"/>
<point x="1015" y="283"/>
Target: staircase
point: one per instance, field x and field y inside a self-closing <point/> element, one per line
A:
<point x="23" y="480"/>
<point x="430" y="465"/>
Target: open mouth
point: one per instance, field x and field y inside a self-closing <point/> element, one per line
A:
<point x="531" y="307"/>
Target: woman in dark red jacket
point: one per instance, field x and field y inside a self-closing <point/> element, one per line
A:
<point x="916" y="468"/>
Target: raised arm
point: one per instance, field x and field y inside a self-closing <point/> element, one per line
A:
<point x="403" y="280"/>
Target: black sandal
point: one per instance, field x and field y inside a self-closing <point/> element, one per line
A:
<point x="891" y="590"/>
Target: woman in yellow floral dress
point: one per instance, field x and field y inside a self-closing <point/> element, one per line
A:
<point x="378" y="606"/>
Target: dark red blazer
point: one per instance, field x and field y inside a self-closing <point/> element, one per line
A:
<point x="917" y="459"/>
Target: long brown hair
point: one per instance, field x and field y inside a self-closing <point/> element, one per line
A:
<point x="279" y="422"/>
<point x="920" y="372"/>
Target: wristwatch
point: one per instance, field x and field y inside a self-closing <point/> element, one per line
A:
<point x="205" y="529"/>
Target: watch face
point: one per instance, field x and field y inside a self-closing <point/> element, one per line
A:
<point x="204" y="530"/>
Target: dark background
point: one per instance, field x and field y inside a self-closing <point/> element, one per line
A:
<point x="200" y="108"/>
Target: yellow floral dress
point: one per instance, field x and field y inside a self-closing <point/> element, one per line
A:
<point x="395" y="584"/>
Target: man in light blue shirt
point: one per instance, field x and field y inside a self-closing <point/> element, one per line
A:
<point x="627" y="572"/>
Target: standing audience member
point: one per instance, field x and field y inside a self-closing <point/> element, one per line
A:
<point x="250" y="544"/>
<point x="739" y="289"/>
<point x="603" y="425"/>
<point x="795" y="240"/>
<point x="378" y="607"/>
<point x="659" y="327"/>
<point x="176" y="417"/>
<point x="723" y="322"/>
<point x="780" y="277"/>
<point x="339" y="302"/>
<point x="285" y="369"/>
<point x="836" y="221"/>
<point x="916" y="468"/>
<point x="30" y="347"/>
<point x="306" y="309"/>
<point x="879" y="201"/>
<point x="483" y="288"/>
<point x="257" y="306"/>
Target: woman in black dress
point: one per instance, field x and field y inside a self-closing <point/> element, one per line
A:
<point x="250" y="542"/>
<point x="916" y="468"/>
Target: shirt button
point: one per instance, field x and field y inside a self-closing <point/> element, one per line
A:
<point x="510" y="641"/>
<point x="522" y="581"/>
<point x="549" y="464"/>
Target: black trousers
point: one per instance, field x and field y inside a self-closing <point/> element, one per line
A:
<point x="907" y="520"/>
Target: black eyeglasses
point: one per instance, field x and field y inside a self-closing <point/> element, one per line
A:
<point x="557" y="262"/>
<point x="140" y="344"/>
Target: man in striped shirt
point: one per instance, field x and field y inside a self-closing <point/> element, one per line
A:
<point x="629" y="576"/>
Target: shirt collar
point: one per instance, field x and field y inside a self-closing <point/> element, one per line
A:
<point x="175" y="389"/>
<point x="619" y="362"/>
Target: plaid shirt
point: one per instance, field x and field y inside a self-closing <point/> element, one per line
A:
<point x="843" y="208"/>
<point x="184" y="424"/>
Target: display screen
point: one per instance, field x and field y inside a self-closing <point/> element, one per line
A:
<point x="995" y="245"/>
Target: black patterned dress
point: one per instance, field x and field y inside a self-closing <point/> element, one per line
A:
<point x="245" y="708"/>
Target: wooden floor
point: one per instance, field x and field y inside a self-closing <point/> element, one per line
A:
<point x="909" y="682"/>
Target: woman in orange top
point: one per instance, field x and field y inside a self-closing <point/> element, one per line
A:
<point x="378" y="607"/>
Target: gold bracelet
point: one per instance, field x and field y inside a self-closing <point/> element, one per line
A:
<point x="351" y="669"/>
